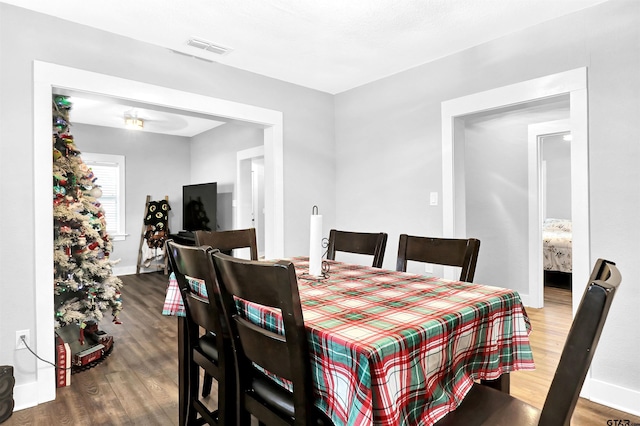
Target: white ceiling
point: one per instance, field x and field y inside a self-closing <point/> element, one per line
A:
<point x="327" y="45"/>
<point x="105" y="112"/>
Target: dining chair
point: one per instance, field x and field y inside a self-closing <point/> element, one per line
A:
<point x="486" y="406"/>
<point x="209" y="349"/>
<point x="358" y="242"/>
<point x="226" y="242"/>
<point x="442" y="251"/>
<point x="268" y="286"/>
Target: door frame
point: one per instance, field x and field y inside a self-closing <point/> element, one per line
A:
<point x="536" y="202"/>
<point x="46" y="78"/>
<point x="244" y="193"/>
<point x="572" y="82"/>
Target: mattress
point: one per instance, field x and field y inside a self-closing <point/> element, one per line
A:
<point x="556" y="236"/>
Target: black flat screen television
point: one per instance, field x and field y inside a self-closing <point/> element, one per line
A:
<point x="199" y="204"/>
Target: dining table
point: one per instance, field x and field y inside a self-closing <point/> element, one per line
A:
<point x="397" y="348"/>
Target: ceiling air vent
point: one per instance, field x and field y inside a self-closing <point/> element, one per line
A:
<point x="208" y="46"/>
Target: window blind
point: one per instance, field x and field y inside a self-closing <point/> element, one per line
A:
<point x="108" y="175"/>
<point x="109" y="170"/>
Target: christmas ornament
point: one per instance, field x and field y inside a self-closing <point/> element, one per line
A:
<point x="59" y="190"/>
<point x="62" y="102"/>
<point x="96" y="192"/>
<point x="60" y="123"/>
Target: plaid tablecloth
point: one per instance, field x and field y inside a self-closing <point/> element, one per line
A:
<point x="393" y="348"/>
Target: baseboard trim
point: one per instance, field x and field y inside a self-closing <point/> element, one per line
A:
<point x="525" y="300"/>
<point x="614" y="396"/>
<point x="25" y="396"/>
<point x="123" y="270"/>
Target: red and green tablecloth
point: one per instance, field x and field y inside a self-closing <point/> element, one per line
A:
<point x="394" y="348"/>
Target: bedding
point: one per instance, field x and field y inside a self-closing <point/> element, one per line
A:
<point x="556" y="235"/>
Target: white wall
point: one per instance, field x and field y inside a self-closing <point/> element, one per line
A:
<point x="496" y="188"/>
<point x="26" y="36"/>
<point x="389" y="154"/>
<point x="155" y="165"/>
<point x="213" y="159"/>
<point x="160" y="165"/>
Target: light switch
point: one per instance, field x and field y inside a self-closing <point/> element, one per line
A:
<point x="433" y="198"/>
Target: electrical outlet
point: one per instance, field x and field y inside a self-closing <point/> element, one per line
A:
<point x="19" y="343"/>
<point x="428" y="268"/>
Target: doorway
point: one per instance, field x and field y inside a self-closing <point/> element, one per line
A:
<point x="550" y="194"/>
<point x="572" y="83"/>
<point x="250" y="207"/>
<point x="49" y="77"/>
<point x="496" y="185"/>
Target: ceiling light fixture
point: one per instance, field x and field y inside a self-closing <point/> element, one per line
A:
<point x="131" y="121"/>
<point x="209" y="47"/>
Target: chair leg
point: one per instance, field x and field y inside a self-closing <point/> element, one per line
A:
<point x="189" y="375"/>
<point x="183" y="366"/>
<point x="206" y="385"/>
<point x="194" y="381"/>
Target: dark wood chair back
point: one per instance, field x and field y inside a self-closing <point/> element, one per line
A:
<point x="209" y="349"/>
<point x="358" y="242"/>
<point x="486" y="406"/>
<point x="227" y="241"/>
<point x="462" y="253"/>
<point x="581" y="343"/>
<point x="286" y="355"/>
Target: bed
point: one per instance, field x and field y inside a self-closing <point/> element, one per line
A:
<point x="556" y="236"/>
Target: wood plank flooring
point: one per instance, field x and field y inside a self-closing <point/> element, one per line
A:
<point x="138" y="383"/>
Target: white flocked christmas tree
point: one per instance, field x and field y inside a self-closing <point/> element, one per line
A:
<point x="85" y="286"/>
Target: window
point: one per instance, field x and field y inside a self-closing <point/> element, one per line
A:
<point x="109" y="171"/>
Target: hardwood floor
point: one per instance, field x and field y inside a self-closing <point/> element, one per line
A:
<point x="550" y="326"/>
<point x="138" y="383"/>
